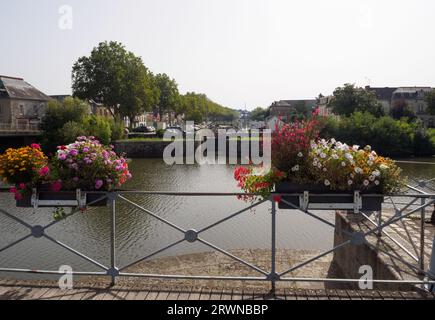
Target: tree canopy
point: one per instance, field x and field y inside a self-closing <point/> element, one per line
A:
<point x="116" y="77"/>
<point x="430" y="100"/>
<point x="349" y="99"/>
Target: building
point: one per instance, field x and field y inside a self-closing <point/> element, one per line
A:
<point x="384" y="95"/>
<point x="22" y="106"/>
<point x="413" y="97"/>
<point x="286" y="109"/>
<point x="323" y="106"/>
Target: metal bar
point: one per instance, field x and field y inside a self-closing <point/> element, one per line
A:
<point x="15" y="242"/>
<point x="32" y="271"/>
<point x="391" y="238"/>
<point x="386" y="224"/>
<point x="51" y="224"/>
<point x="15" y="219"/>
<point x="153" y="254"/>
<point x="409" y="265"/>
<point x="153" y="214"/>
<point x="233" y="256"/>
<point x="379" y="234"/>
<point x="75" y="252"/>
<point x="273" y="266"/>
<point x="357" y="280"/>
<point x="422" y="236"/>
<point x="231" y="216"/>
<point x="186" y="277"/>
<point x="113" y="238"/>
<point x="298" y="266"/>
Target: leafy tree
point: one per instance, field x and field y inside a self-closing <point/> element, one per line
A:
<point x="430" y="100"/>
<point x="348" y="99"/>
<point x="58" y="114"/>
<point x="169" y="96"/>
<point x="259" y="114"/>
<point x="400" y="109"/>
<point x="116" y="77"/>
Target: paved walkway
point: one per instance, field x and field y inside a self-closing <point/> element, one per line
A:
<point x="15" y="290"/>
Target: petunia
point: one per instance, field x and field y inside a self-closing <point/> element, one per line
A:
<point x="98" y="184"/>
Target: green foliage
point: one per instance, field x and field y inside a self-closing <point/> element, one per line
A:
<point x="57" y="116"/>
<point x="349" y="99"/>
<point x="386" y="135"/>
<point x="169" y="96"/>
<point x="99" y="128"/>
<point x="117" y="128"/>
<point x="117" y="77"/>
<point x="197" y="107"/>
<point x="259" y="114"/>
<point x="400" y="109"/>
<point x="70" y="131"/>
<point x="430" y="100"/>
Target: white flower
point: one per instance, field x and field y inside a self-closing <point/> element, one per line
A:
<point x="333" y="141"/>
<point x="355" y="148"/>
<point x="370" y="163"/>
<point x="366" y="183"/>
<point x="327" y="183"/>
<point x="376" y="173"/>
<point x="319" y="166"/>
<point x="359" y="170"/>
<point x="372" y="178"/>
<point x="348" y="156"/>
<point x="325" y="170"/>
<point x="335" y="156"/>
<point x="383" y="167"/>
<point x="323" y="155"/>
<point x="295" y="168"/>
<point x="300" y="155"/>
<point x="343" y="164"/>
<point x="350" y="182"/>
<point x="368" y="148"/>
<point x="377" y="182"/>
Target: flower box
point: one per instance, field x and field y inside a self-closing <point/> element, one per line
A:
<point x="319" y="197"/>
<point x="68" y="199"/>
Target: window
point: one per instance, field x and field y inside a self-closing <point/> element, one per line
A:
<point x="21" y="109"/>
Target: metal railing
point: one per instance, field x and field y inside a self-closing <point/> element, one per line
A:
<point x="18" y="128"/>
<point x="271" y="275"/>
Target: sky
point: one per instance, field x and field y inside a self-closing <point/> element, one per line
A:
<point x="238" y="52"/>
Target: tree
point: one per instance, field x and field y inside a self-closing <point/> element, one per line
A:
<point x="116" y="77"/>
<point x="349" y="99"/>
<point x="259" y="114"/>
<point x="57" y="115"/>
<point x="400" y="109"/>
<point x="169" y="96"/>
<point x="430" y="100"/>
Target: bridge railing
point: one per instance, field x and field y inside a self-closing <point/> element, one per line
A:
<point x="405" y="205"/>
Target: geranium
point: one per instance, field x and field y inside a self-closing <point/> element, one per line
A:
<point x="87" y="164"/>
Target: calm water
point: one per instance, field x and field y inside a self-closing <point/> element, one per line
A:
<point x="139" y="234"/>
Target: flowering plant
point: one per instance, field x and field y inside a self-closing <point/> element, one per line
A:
<point x="87" y="164"/>
<point x="301" y="158"/>
<point x="23" y="168"/>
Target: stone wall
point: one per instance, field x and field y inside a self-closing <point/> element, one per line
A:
<point x="351" y="257"/>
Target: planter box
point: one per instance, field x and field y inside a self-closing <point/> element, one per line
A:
<point x="67" y="199"/>
<point x="323" y="198"/>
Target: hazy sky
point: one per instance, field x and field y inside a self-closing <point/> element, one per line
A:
<point x="235" y="51"/>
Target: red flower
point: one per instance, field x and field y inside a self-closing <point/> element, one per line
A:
<point x="44" y="171"/>
<point x="56" y="186"/>
<point x="13" y="190"/>
<point x="35" y="146"/>
<point x="18" y="196"/>
<point x="277" y="198"/>
<point x="22" y="186"/>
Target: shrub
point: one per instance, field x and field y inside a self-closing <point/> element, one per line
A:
<point x="99" y="128"/>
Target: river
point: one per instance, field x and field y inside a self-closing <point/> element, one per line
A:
<point x="139" y="234"/>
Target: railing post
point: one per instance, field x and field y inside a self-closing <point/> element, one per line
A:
<point x="379" y="233"/>
<point x="431" y="287"/>
<point x="112" y="198"/>
<point x="273" y="266"/>
<point x="422" y="229"/>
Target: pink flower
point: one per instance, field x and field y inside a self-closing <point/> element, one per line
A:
<point x="18" y="196"/>
<point x="44" y="171"/>
<point x="56" y="186"/>
<point x="98" y="184"/>
<point x="13" y="190"/>
<point x="76" y="179"/>
<point x="35" y="146"/>
<point x="22" y="186"/>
